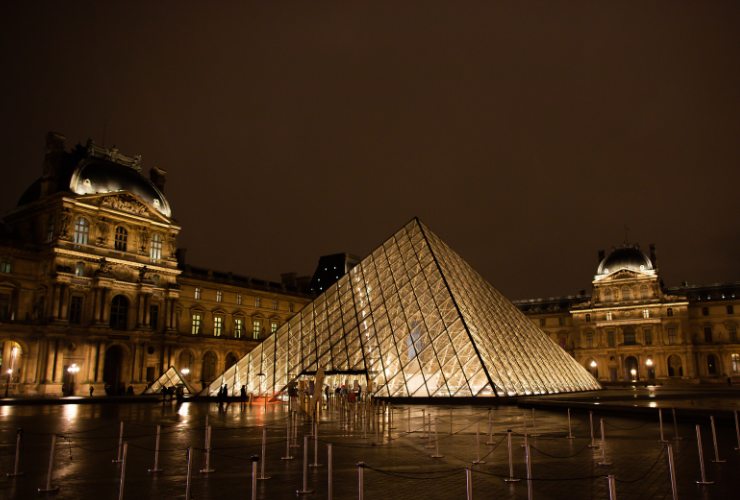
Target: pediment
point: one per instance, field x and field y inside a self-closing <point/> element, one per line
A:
<point x="124" y="202"/>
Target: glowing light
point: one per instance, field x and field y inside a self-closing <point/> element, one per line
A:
<point x="649" y="362"/>
<point x="185" y="371"/>
<point x="73" y="368"/>
<point x="593" y="363"/>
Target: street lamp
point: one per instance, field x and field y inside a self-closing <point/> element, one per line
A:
<point x="185" y="371"/>
<point x="649" y="364"/>
<point x="73" y="369"/>
<point x="633" y="372"/>
<point x="593" y="363"/>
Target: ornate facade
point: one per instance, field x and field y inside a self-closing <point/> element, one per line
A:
<point x="92" y="293"/>
<point x="632" y="328"/>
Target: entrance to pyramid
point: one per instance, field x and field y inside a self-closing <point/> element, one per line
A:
<point x="411" y="320"/>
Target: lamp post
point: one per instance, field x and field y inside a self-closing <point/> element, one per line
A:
<point x="185" y="371"/>
<point x="593" y="366"/>
<point x="650" y="370"/>
<point x="73" y="369"/>
<point x="633" y="373"/>
<point x="13" y="355"/>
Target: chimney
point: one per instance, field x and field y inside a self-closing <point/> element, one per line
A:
<point x="653" y="255"/>
<point x="158" y="177"/>
<point x="602" y="254"/>
<point x="52" y="162"/>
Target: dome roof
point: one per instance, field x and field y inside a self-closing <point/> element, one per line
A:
<point x="625" y="257"/>
<point x="97" y="176"/>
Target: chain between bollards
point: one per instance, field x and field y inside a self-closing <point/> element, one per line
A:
<point x="17" y="460"/>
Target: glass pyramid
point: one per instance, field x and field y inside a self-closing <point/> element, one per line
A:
<point x="417" y="321"/>
<point x="170" y="378"/>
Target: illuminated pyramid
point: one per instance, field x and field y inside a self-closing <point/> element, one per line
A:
<point x="417" y="321"/>
<point x="170" y="378"/>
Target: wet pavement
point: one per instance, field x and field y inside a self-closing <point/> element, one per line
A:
<point x="398" y="460"/>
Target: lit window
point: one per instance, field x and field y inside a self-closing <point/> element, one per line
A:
<point x="155" y="247"/>
<point x="197" y="293"/>
<point x="257" y="302"/>
<point x="5" y="266"/>
<point x="646" y="313"/>
<point x="275" y="305"/>
<point x="80" y="269"/>
<point x="82" y="231"/>
<point x="121" y="239"/>
<point x="609" y="316"/>
<point x="239" y="299"/>
<point x="735" y="359"/>
<point x="219" y="295"/>
<point x="256" y="328"/>
<point x="273" y="327"/>
<point x="238" y="327"/>
<point x="197" y="321"/>
<point x="218" y="326"/>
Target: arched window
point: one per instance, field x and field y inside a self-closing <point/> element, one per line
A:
<point x="121" y="239"/>
<point x="669" y="311"/>
<point x="626" y="293"/>
<point x="119" y="313"/>
<point x="155" y="247"/>
<point x="80" y="269"/>
<point x="82" y="231"/>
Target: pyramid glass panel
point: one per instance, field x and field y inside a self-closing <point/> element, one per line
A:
<point x="417" y="321"/>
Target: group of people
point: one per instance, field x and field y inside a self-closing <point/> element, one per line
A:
<point x="223" y="396"/>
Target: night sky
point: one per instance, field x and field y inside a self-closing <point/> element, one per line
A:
<point x="527" y="135"/>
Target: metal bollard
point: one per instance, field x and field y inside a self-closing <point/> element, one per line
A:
<point x="660" y="419"/>
<point x="330" y="471"/>
<point x="716" y="460"/>
<point x="207" y="466"/>
<point x="120" y="444"/>
<point x="315" y="448"/>
<point x="436" y="439"/>
<point x="570" y="429"/>
<point x="255" y="459"/>
<point x="676" y="437"/>
<point x="408" y="420"/>
<point x="477" y="446"/>
<point x="423" y="422"/>
<point x="123" y="471"/>
<point x="17" y="461"/>
<point x="263" y="459"/>
<point x="591" y="425"/>
<point x="288" y="433"/>
<point x="603" y="460"/>
<point x="49" y="488"/>
<point x="305" y="490"/>
<point x="189" y="474"/>
<point x="534" y="426"/>
<point x="360" y="480"/>
<point x="511" y="478"/>
<point x="703" y="478"/>
<point x="672" y="472"/>
<point x="429" y="444"/>
<point x="490" y="427"/>
<point x="737" y="432"/>
<point x="155" y="467"/>
<point x="468" y="484"/>
<point x="612" y="487"/>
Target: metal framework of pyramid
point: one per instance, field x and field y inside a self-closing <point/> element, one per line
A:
<point x="418" y="321"/>
<point x="170" y="378"/>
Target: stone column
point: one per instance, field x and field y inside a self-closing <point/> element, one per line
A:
<point x="55" y="301"/>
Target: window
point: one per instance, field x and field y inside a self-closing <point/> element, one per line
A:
<point x="121" y="239"/>
<point x="708" y="334"/>
<point x="607" y="295"/>
<point x="256" y="328"/>
<point x="589" y="339"/>
<point x="647" y="333"/>
<point x="75" y="310"/>
<point x="218" y="326"/>
<point x="5" y="313"/>
<point x="275" y="305"/>
<point x="588" y="317"/>
<point x="669" y="311"/>
<point x="219" y="295"/>
<point x="735" y="360"/>
<point x="646" y="313"/>
<point x="705" y="311"/>
<point x="732" y="331"/>
<point x="730" y="309"/>
<point x="82" y="231"/>
<point x="671" y="335"/>
<point x="257" y="302"/>
<point x="273" y="326"/>
<point x="5" y="266"/>
<point x="238" y="299"/>
<point x="609" y="316"/>
<point x="626" y="294"/>
<point x="197" y="293"/>
<point x="153" y="316"/>
<point x="644" y="292"/>
<point x="629" y="337"/>
<point x="119" y="313"/>
<point x="197" y="322"/>
<point x="80" y="269"/>
<point x="155" y="247"/>
<point x="238" y="327"/>
<point x="291" y="307"/>
<point x="610" y="338"/>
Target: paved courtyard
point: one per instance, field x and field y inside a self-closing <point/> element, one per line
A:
<point x="398" y="459"/>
